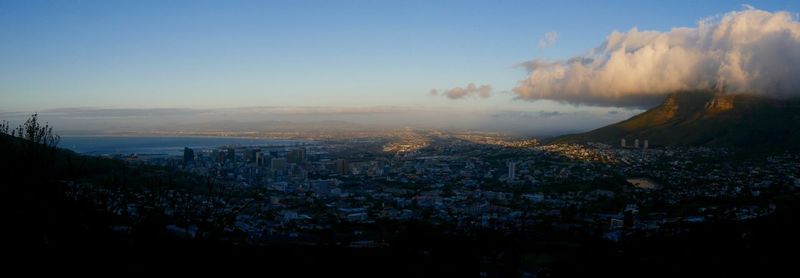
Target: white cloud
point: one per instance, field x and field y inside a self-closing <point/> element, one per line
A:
<point x="748" y="51"/>
<point x="549" y="39"/>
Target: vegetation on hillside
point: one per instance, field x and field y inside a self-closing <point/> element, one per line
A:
<point x="705" y="118"/>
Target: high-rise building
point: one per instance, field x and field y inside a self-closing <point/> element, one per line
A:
<point x="188" y="156"/>
<point x="622" y="142"/>
<point x="644" y="149"/>
<point x="512" y="170"/>
<point x="250" y="155"/>
<point x="342" y="167"/>
<point x="278" y="164"/>
<point x="259" y="159"/>
<point x="230" y="154"/>
<point x="218" y="155"/>
<point x="296" y="156"/>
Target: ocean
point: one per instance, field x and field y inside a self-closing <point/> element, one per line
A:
<point x="150" y="145"/>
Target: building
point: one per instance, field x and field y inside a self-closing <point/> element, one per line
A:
<point x="259" y="159"/>
<point x="323" y="187"/>
<point x="617" y="224"/>
<point x="341" y="166"/>
<point x="218" y="155"/>
<point x="644" y="149"/>
<point x="250" y="155"/>
<point x="636" y="143"/>
<point x="296" y="156"/>
<point x="278" y="164"/>
<point x="188" y="156"/>
<point x="230" y="154"/>
<point x="622" y="142"/>
<point x="512" y="170"/>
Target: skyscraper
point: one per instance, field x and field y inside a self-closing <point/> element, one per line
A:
<point x="230" y="154"/>
<point x="342" y="167"/>
<point x="251" y="154"/>
<point x="278" y="164"/>
<point x="512" y="170"/>
<point x="259" y="159"/>
<point x="296" y="156"/>
<point x="188" y="156"/>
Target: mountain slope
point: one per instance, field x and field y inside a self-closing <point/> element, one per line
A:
<point x="703" y="118"/>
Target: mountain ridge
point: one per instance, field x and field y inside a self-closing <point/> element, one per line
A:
<point x="706" y="118"/>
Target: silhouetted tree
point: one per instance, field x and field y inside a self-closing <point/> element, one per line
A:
<point x="4" y="127"/>
<point x="35" y="132"/>
<point x="27" y="167"/>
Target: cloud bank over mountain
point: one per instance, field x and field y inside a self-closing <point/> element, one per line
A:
<point x="747" y="51"/>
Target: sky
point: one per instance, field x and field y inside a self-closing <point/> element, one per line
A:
<point x="450" y="55"/>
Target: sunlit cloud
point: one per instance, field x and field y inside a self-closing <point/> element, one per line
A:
<point x="747" y="51"/>
<point x="471" y="90"/>
<point x="549" y="39"/>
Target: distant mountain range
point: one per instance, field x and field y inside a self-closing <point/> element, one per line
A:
<point x="705" y="118"/>
<point x="240" y="126"/>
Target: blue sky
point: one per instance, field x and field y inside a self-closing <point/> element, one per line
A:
<point x="220" y="54"/>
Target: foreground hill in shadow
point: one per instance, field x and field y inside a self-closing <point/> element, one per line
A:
<point x="704" y="118"/>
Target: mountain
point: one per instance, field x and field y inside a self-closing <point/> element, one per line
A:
<point x="705" y="118"/>
<point x="241" y="126"/>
